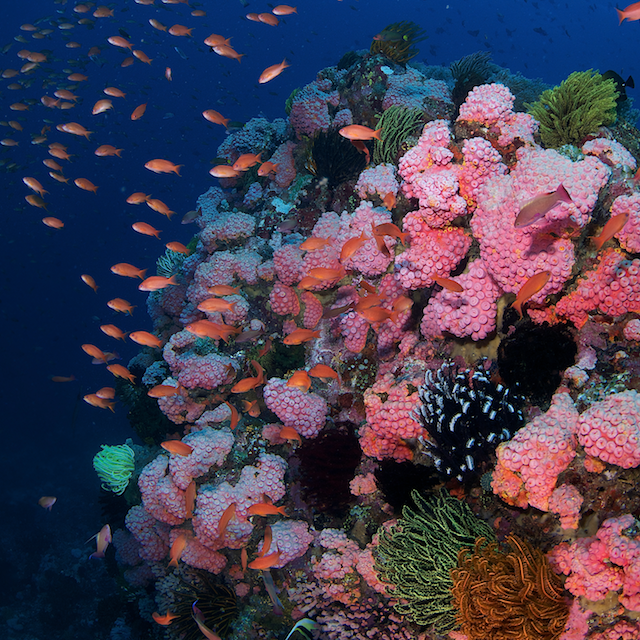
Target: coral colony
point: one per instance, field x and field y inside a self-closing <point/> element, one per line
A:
<point x="467" y="306"/>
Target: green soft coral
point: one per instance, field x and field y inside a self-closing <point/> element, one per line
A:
<point x="417" y="554"/>
<point x="114" y="466"/>
<point x="575" y="109"/>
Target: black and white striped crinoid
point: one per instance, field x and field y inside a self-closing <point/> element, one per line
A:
<point x="467" y="416"/>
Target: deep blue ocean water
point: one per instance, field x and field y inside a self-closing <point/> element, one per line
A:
<point x="49" y="434"/>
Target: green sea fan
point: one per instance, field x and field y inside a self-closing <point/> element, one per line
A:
<point x="417" y="554"/>
<point x="575" y="109"/>
<point x="114" y="466"/>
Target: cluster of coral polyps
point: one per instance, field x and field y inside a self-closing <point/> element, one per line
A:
<point x="329" y="305"/>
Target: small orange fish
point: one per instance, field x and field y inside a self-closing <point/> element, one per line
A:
<point x="121" y="305"/>
<point x="106" y="393"/>
<point x="235" y="417"/>
<point x="390" y="229"/>
<point x="327" y="275"/>
<point x="323" y="371"/>
<point x="226" y="51"/>
<point x="266" y="542"/>
<point x="100" y="403"/>
<point x="352" y="245"/>
<point x="246" y="384"/>
<point x="146" y="229"/>
<point x="54" y="223"/>
<point x="101" y="106"/>
<point x="107" y="150"/>
<point x="613" y="226"/>
<point x="214" y="40"/>
<point x="160" y="207"/>
<point x="268" y="167"/>
<point x="211" y="305"/>
<point x="157" y="25"/>
<point x="114" y="92"/>
<point x="86" y="185"/>
<point x="298" y="336"/>
<point x="252" y="408"/>
<point x="289" y="433"/>
<point x="155" y="283"/>
<point x="359" y="132"/>
<point x="142" y="56"/>
<point x="447" y="283"/>
<point x="243" y="558"/>
<point x="224" y="171"/>
<point x="376" y="314"/>
<point x="177" y="247"/>
<point x="228" y="513"/>
<point x="268" y="18"/>
<point x="215" y="117"/>
<point x="630" y="13"/>
<point x="120" y="371"/>
<point x="389" y="201"/>
<point x="300" y="379"/>
<point x="138" y="112"/>
<point x="163" y="166"/>
<point x="283" y="10"/>
<point x="76" y="129"/>
<point x="265" y="509"/>
<point x="313" y="243"/>
<point x="164" y="620"/>
<point x="36" y="201"/>
<point x="137" y="198"/>
<point x="180" y="30"/>
<point x="246" y="161"/>
<point x="530" y="288"/>
<point x="190" y="498"/>
<point x="128" y="270"/>
<point x="163" y="391"/>
<point x="177" y="447"/>
<point x="103" y="539"/>
<point x="47" y="502"/>
<point x="272" y="72"/>
<point x="94" y="352"/>
<point x="168" y="74"/>
<point x="265" y="562"/>
<point x="213" y="330"/>
<point x="177" y="548"/>
<point x="223" y="290"/>
<point x="34" y="185"/>
<point x="112" y="331"/>
<point x="146" y="339"/>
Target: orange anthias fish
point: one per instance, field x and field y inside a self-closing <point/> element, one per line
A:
<point x="630" y="13"/>
<point x="94" y="352"/>
<point x="121" y="305"/>
<point x="313" y="243"/>
<point x="215" y="40"/>
<point x="101" y="106"/>
<point x="146" y="229"/>
<point x="289" y="433"/>
<point x="190" y="498"/>
<point x="530" y="288"/>
<point x="613" y="226"/>
<point x="163" y="391"/>
<point x="223" y="290"/>
<point x="212" y="305"/>
<point x="47" y="502"/>
<point x="85" y="184"/>
<point x="536" y="208"/>
<point x="234" y="416"/>
<point x="163" y="166"/>
<point x="283" y="10"/>
<point x="142" y="56"/>
<point x="101" y="403"/>
<point x="268" y="167"/>
<point x="146" y="339"/>
<point x="223" y="171"/>
<point x="359" y="132"/>
<point x="106" y="150"/>
<point x="246" y="384"/>
<point x="120" y="371"/>
<point x="265" y="562"/>
<point x="180" y="30"/>
<point x="177" y="548"/>
<point x="54" y="223"/>
<point x="300" y="379"/>
<point x="229" y="513"/>
<point x="137" y="198"/>
<point x="113" y="332"/>
<point x="266" y="542"/>
<point x="323" y="371"/>
<point x="226" y="51"/>
<point x="252" y="408"/>
<point x="177" y="247"/>
<point x="215" y="117"/>
<point x="352" y="245"/>
<point x="265" y="509"/>
<point x="138" y="112"/>
<point x="272" y="72"/>
<point x="164" y="620"/>
<point x="268" y="18"/>
<point x="213" y="330"/>
<point x="246" y="161"/>
<point x="160" y="207"/>
<point x="177" y="447"/>
<point x="128" y="270"/>
<point x="34" y="185"/>
<point x="103" y="539"/>
<point x="155" y="283"/>
<point x="390" y="229"/>
<point x="298" y="336"/>
<point x="447" y="283"/>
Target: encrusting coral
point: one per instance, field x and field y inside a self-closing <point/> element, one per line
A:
<point x="417" y="554"/>
<point x="504" y="596"/>
<point x="570" y="112"/>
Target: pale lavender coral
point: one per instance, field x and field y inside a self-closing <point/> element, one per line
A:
<point x="160" y="496"/>
<point x="210" y="447"/>
<point x="152" y="535"/>
<point x="380" y="180"/>
<point x="290" y="538"/>
<point x="230" y="226"/>
<point x="611" y="152"/>
<point x="411" y="89"/>
<point x="310" y="108"/>
<point x="470" y="313"/>
<point x="629" y="235"/>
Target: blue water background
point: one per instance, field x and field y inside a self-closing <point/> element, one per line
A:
<point x="49" y="434"/>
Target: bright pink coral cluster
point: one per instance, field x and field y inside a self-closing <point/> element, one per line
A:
<point x="305" y="412"/>
<point x="310" y="108"/>
<point x="529" y="464"/>
<point x="610" y="429"/>
<point x="389" y="407"/>
<point x="629" y="235"/>
<point x="608" y="561"/>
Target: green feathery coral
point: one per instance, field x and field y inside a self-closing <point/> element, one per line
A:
<point x="417" y="554"/>
<point x="397" y="124"/>
<point x="568" y="113"/>
<point x="114" y="466"/>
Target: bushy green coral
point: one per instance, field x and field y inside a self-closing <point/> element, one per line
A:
<point x="114" y="466"/>
<point x="568" y="113"/>
<point x="397" y="124"/>
<point x="417" y="554"/>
